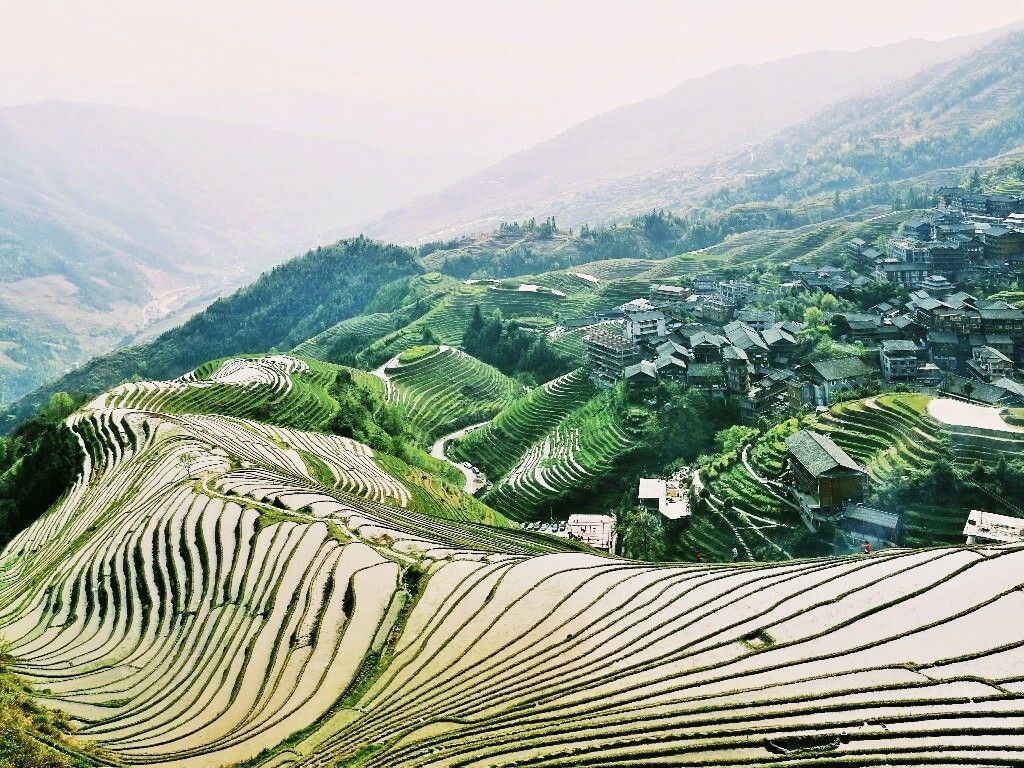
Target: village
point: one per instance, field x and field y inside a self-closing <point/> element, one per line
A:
<point x="944" y="329"/>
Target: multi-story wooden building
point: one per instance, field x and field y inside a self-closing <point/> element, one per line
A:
<point x="825" y="476"/>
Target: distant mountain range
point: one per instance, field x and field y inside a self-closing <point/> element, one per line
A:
<point x="111" y="218"/>
<point x="116" y="224"/>
<point x="616" y="164"/>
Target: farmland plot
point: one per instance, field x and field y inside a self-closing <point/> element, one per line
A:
<point x="215" y="590"/>
<point x="546" y="445"/>
<point x="444" y="389"/>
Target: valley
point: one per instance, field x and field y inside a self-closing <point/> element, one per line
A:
<point x="181" y="210"/>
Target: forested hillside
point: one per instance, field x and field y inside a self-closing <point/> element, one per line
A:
<point x="958" y="113"/>
<point x="286" y="305"/>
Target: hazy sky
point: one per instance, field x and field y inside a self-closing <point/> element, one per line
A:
<point x="543" y="64"/>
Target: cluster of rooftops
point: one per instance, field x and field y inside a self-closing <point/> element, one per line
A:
<point x="753" y="358"/>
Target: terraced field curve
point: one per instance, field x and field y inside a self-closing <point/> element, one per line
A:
<point x="546" y="444"/>
<point x="215" y="590"/>
<point x="443" y="389"/>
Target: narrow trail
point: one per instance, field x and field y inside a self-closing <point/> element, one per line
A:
<point x="475" y="480"/>
<point x="381" y="373"/>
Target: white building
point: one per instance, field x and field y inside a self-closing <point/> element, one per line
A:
<point x="989" y="528"/>
<point x="637" y="305"/>
<point x="596" y="530"/>
<point x="645" y="325"/>
<point x="666" y="496"/>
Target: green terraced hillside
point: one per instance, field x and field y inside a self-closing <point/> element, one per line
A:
<point x="349" y="335"/>
<point x="448" y="320"/>
<point x="443" y="389"/>
<point x="217" y="591"/>
<point x="893" y="436"/>
<point x="499" y="446"/>
<point x="558" y="439"/>
<point x="279" y="388"/>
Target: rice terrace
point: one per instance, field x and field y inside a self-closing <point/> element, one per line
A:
<point x="216" y="590"/>
<point x="495" y="385"/>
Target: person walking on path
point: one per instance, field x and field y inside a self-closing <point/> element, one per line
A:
<point x="866" y="546"/>
<point x="735" y="554"/>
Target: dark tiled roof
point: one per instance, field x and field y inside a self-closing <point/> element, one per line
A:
<point x="988" y="353"/>
<point x="1001" y="314"/>
<point x="978" y="391"/>
<point x="745" y="338"/>
<point x="776" y="335"/>
<point x="703" y="337"/>
<point x="903" y="267"/>
<point x="1009" y="385"/>
<point x="902" y="321"/>
<point x="841" y="368"/>
<point x="872" y="516"/>
<point x="818" y="454"/>
<point x="863" y="322"/>
<point x="942" y="337"/>
<point x="756" y="315"/>
<point x="643" y="368"/>
<point x="705" y="371"/>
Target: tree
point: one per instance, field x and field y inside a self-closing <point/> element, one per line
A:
<point x="187" y="460"/>
<point x="733" y="438"/>
<point x="39" y="463"/>
<point x="60" y="406"/>
<point x="474" y="329"/>
<point x="812" y="316"/>
<point x="643" y="535"/>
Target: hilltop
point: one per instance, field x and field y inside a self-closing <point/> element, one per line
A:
<point x="270" y="558"/>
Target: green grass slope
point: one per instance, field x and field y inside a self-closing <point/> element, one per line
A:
<point x="560" y="439"/>
<point x="443" y="389"/>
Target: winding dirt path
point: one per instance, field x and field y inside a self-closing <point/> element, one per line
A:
<point x="475" y="480"/>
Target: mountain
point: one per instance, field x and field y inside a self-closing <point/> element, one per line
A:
<point x="111" y="218"/>
<point x="420" y="119"/>
<point x="959" y="113"/>
<point x="284" y="306"/>
<point x="597" y="170"/>
<point x="257" y="562"/>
